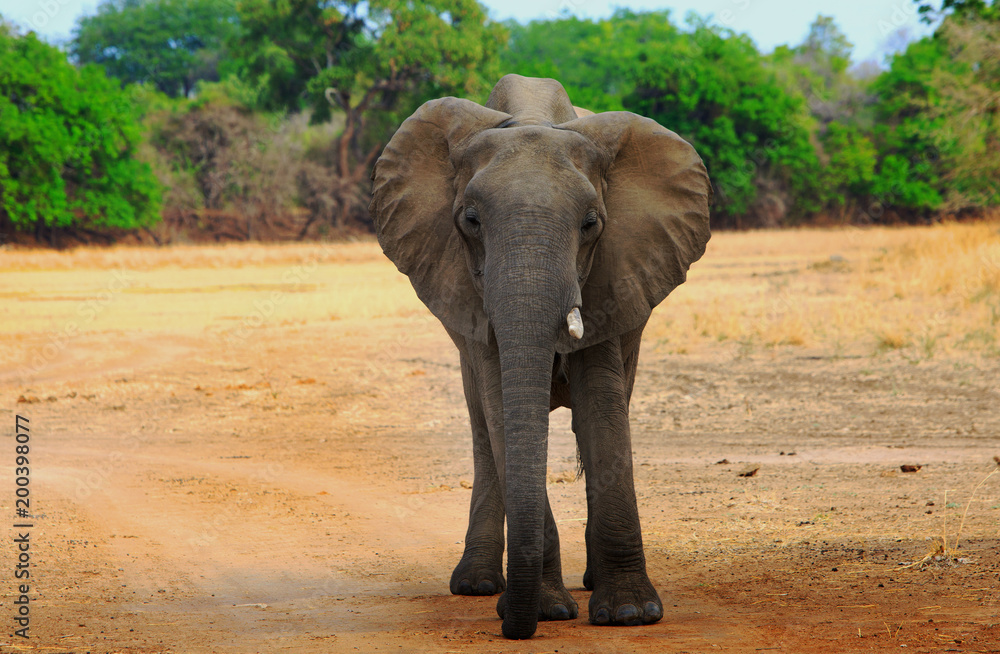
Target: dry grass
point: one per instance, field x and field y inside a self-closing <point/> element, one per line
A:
<point x="227" y="288"/>
<point x="229" y="255"/>
<point x="919" y="291"/>
<point x="946" y="551"/>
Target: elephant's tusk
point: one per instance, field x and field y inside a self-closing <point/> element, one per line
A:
<point x="575" y="323"/>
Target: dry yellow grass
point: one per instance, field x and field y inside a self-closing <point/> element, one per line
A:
<point x="229" y="255"/>
<point x="919" y="290"/>
<point x="191" y="288"/>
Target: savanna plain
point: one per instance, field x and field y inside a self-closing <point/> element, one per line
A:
<point x="263" y="448"/>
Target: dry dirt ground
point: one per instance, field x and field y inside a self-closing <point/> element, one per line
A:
<point x="266" y="449"/>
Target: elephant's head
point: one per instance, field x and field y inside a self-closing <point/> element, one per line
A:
<point x="509" y="217"/>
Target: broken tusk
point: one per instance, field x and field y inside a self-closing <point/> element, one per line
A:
<point x="575" y="323"/>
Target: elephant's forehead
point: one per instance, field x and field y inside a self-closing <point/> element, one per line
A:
<point x="538" y="145"/>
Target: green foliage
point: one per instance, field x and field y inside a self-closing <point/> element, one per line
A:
<point x="712" y="86"/>
<point x="381" y="54"/>
<point x="818" y="70"/>
<point x="938" y="131"/>
<point x="797" y="127"/>
<point x="850" y="168"/>
<point x="68" y="142"/>
<point x="787" y="136"/>
<point x="975" y="9"/>
<point x="223" y="162"/>
<point x="967" y="108"/>
<point x="709" y="85"/>
<point x="374" y="62"/>
<point x="170" y="43"/>
<point x="574" y="51"/>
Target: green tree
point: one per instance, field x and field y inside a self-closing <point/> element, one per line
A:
<point x="907" y="177"/>
<point x="982" y="9"/>
<point x="709" y="85"/>
<point x="849" y="170"/>
<point x="827" y="45"/>
<point x="574" y="51"/>
<point x="970" y="112"/>
<point x="169" y="43"/>
<point x="840" y="104"/>
<point x="714" y="88"/>
<point x="374" y="62"/>
<point x="67" y="144"/>
<point x="938" y="132"/>
<point x="818" y="69"/>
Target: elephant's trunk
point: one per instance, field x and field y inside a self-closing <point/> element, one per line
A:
<point x="526" y="378"/>
<point x="528" y="309"/>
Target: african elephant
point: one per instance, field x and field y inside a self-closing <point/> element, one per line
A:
<point x="542" y="238"/>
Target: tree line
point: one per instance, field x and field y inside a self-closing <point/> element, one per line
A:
<point x="262" y="119"/>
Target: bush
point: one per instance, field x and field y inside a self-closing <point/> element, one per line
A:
<point x="229" y="170"/>
<point x="68" y="144"/>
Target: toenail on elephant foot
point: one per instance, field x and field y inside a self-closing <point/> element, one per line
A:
<point x="627" y="604"/>
<point x="559" y="612"/>
<point x="476" y="581"/>
<point x="627" y="614"/>
<point x="556" y="603"/>
<point x="484" y="587"/>
<point x="652" y="612"/>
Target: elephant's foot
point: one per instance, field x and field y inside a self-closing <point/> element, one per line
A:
<point x="628" y="599"/>
<point x="588" y="580"/>
<point x="555" y="603"/>
<point x="476" y="578"/>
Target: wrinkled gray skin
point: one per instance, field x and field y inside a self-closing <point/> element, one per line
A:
<point x="506" y="218"/>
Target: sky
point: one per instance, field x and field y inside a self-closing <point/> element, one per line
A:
<point x="872" y="25"/>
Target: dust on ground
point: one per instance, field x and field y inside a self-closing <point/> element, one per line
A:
<point x="266" y="449"/>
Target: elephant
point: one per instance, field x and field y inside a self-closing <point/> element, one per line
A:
<point x="542" y="236"/>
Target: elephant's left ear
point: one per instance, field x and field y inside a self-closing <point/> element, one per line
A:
<point x="657" y="198"/>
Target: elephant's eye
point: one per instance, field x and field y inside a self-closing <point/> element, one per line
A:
<point x="472" y="216"/>
<point x="589" y="221"/>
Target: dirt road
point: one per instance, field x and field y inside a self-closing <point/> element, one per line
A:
<point x="233" y="458"/>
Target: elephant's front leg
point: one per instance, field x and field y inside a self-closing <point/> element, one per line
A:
<point x="600" y="384"/>
<point x="480" y="572"/>
<point x="481" y="375"/>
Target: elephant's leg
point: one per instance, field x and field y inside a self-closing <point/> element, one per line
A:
<point x="482" y="367"/>
<point x="630" y="357"/>
<point x="480" y="572"/>
<point x="601" y="382"/>
<point x="556" y="602"/>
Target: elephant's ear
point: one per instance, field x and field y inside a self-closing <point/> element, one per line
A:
<point x="657" y="198"/>
<point x="413" y="196"/>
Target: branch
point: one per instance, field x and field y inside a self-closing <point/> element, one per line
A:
<point x="338" y="98"/>
<point x="361" y="170"/>
<point x="369" y="94"/>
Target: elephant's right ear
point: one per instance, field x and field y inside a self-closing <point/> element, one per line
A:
<point x="413" y="198"/>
